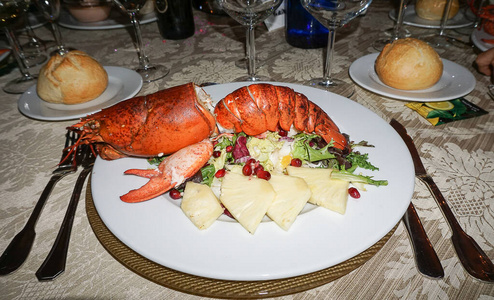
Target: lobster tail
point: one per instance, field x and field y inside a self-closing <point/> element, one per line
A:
<point x="257" y="108"/>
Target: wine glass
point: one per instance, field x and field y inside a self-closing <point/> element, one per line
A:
<point x="334" y="14"/>
<point x="148" y="72"/>
<point x="51" y="11"/>
<point x="34" y="49"/>
<point x="10" y="12"/>
<point x="250" y="13"/>
<point x="441" y="39"/>
<point x="397" y="32"/>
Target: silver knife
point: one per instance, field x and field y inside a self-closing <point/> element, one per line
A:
<point x="426" y="258"/>
<point x="471" y="256"/>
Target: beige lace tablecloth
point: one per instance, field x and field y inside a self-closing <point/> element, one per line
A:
<point x="459" y="155"/>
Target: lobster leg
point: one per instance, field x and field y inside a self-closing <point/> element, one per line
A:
<point x="172" y="171"/>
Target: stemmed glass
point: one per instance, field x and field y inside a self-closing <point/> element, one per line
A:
<point x="51" y="11"/>
<point x="10" y="11"/>
<point x="250" y="13"/>
<point x="333" y="14"/>
<point x="440" y="39"/>
<point x="33" y="49"/>
<point x="397" y="32"/>
<point x="148" y="72"/>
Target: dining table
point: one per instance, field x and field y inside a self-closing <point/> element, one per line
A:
<point x="459" y="155"/>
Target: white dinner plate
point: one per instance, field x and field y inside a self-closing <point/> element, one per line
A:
<point x="477" y="36"/>
<point x="122" y="84"/>
<point x="114" y="21"/>
<point x="319" y="238"/>
<point x="464" y="18"/>
<point x="456" y="81"/>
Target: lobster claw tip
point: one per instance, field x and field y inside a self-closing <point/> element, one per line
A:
<point x="156" y="186"/>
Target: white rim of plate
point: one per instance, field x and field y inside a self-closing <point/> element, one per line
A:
<point x="32" y="106"/>
<point x="410" y="12"/>
<point x="363" y="73"/>
<point x="158" y="229"/>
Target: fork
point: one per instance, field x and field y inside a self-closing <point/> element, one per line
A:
<point x="17" y="251"/>
<point x="54" y="264"/>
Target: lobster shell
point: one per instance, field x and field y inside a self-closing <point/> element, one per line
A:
<point x="257" y="108"/>
<point x="153" y="125"/>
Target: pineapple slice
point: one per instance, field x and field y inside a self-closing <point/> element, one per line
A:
<point x="292" y="193"/>
<point x="326" y="192"/>
<point x="246" y="198"/>
<point x="200" y="205"/>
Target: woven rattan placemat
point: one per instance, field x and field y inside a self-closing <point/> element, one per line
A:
<point x="208" y="287"/>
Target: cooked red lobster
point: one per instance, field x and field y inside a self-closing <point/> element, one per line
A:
<point x="176" y="121"/>
<point x="257" y="108"/>
<point x="154" y="125"/>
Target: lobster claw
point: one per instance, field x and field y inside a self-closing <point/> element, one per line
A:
<point x="172" y="171"/>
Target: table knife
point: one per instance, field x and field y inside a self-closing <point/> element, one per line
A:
<point x="426" y="258"/>
<point x="472" y="257"/>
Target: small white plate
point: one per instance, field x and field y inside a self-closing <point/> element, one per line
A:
<point x="114" y="21"/>
<point x="159" y="230"/>
<point x="455" y="82"/>
<point x="464" y="18"/>
<point x="122" y="84"/>
<point x="478" y="35"/>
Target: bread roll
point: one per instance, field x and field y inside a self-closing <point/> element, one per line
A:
<point x="409" y="64"/>
<point x="434" y="9"/>
<point x="73" y="78"/>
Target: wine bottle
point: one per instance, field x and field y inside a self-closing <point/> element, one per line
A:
<point x="302" y="29"/>
<point x="175" y="19"/>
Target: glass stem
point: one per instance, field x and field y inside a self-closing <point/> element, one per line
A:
<point x="30" y="33"/>
<point x="329" y="55"/>
<point x="251" y="51"/>
<point x="399" y="21"/>
<point x="445" y="17"/>
<point x="14" y="43"/>
<point x="58" y="38"/>
<point x="143" y="59"/>
<point x="477" y="17"/>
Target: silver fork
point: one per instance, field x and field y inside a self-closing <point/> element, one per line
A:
<point x="17" y="251"/>
<point x="54" y="263"/>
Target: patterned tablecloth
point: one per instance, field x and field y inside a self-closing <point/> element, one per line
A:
<point x="459" y="155"/>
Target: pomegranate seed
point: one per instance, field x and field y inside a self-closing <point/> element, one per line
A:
<point x="220" y="173"/>
<point x="258" y="168"/>
<point x="296" y="162"/>
<point x="175" y="194"/>
<point x="229" y="148"/>
<point x="215" y="143"/>
<point x="354" y="193"/>
<point x="216" y="154"/>
<point x="263" y="175"/>
<point x="251" y="161"/>
<point x="247" y="170"/>
<point x="282" y="132"/>
<point x="227" y="212"/>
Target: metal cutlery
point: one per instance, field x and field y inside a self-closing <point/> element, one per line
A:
<point x="471" y="256"/>
<point x="54" y="264"/>
<point x="490" y="90"/>
<point x="426" y="258"/>
<point x="17" y="251"/>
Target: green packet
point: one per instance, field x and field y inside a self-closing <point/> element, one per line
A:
<point x="438" y="113"/>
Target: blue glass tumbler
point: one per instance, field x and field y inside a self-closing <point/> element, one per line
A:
<point x="302" y="29"/>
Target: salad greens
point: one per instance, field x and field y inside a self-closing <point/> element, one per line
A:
<point x="274" y="153"/>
